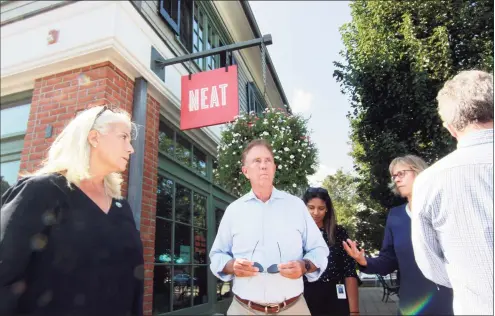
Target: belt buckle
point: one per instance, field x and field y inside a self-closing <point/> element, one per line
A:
<point x="271" y="306"/>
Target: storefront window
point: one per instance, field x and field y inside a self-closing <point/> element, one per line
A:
<point x="14" y="119"/>
<point x="180" y="279"/>
<point x="176" y="146"/>
<point x="199" y="162"/>
<point x="9" y="174"/>
<point x="166" y="139"/>
<point x="14" y="115"/>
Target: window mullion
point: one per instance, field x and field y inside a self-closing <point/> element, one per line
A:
<point x="172" y="266"/>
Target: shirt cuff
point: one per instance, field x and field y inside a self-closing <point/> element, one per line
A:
<point x="315" y="275"/>
<point x="221" y="260"/>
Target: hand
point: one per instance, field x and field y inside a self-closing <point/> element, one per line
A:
<point x="244" y="268"/>
<point x="351" y="249"/>
<point x="292" y="269"/>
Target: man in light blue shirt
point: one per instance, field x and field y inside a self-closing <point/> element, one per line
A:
<point x="266" y="242"/>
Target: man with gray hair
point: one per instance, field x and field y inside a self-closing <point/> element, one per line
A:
<point x="452" y="204"/>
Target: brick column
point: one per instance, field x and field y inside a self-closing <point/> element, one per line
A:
<point x="148" y="211"/>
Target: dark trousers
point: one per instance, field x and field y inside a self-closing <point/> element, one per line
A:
<point x="321" y="298"/>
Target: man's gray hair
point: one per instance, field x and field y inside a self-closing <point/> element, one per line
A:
<point x="467" y="99"/>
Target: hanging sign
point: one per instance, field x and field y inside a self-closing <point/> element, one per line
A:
<point x="209" y="98"/>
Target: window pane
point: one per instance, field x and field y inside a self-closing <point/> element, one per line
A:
<point x="9" y="173"/>
<point x="200" y="246"/>
<point x="183" y="151"/>
<point x="199" y="161"/>
<point x="14" y="119"/>
<point x="218" y="216"/>
<point x="161" y="289"/>
<point x="182" y="204"/>
<point x="182" y="244"/>
<point x="215" y="172"/>
<point x="165" y="193"/>
<point x="199" y="210"/>
<point x="166" y="139"/>
<point x="224" y="289"/>
<point x="186" y="23"/>
<point x="200" y="286"/>
<point x="172" y="8"/>
<point x="195" y="38"/>
<point x="182" y="287"/>
<point x="163" y="241"/>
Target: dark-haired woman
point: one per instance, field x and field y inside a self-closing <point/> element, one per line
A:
<point x="336" y="291"/>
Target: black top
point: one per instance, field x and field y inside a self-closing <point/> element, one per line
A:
<point x="340" y="264"/>
<point x="60" y="254"/>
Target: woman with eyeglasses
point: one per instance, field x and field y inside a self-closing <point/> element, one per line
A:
<point x="336" y="291"/>
<point x="417" y="294"/>
<point x="69" y="244"/>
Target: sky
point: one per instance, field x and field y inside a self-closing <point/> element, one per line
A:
<point x="306" y="42"/>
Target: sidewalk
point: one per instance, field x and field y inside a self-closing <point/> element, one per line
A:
<point x="370" y="302"/>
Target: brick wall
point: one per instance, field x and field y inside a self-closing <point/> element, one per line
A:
<point x="148" y="211"/>
<point x="58" y="97"/>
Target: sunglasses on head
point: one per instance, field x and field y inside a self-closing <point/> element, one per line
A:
<point x="100" y="113"/>
<point x="317" y="190"/>
<point x="272" y="269"/>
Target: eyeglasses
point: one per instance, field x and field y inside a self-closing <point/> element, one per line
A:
<point x="100" y="113"/>
<point x="272" y="269"/>
<point x="400" y="174"/>
<point x="317" y="190"/>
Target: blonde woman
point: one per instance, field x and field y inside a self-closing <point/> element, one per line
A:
<point x="418" y="295"/>
<point x="69" y="245"/>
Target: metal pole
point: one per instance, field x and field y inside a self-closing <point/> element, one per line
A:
<point x="136" y="165"/>
<point x="266" y="40"/>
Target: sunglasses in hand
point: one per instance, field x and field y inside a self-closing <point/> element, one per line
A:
<point x="272" y="269"/>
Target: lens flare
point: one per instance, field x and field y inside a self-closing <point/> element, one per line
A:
<point x="417" y="308"/>
<point x="83" y="79"/>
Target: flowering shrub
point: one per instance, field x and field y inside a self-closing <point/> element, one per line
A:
<point x="295" y="155"/>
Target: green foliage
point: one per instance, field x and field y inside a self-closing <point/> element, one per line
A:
<point x="397" y="56"/>
<point x="295" y="154"/>
<point x="342" y="188"/>
<point x="359" y="214"/>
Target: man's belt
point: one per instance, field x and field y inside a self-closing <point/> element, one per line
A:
<point x="270" y="308"/>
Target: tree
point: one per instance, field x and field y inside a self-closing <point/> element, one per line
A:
<point x="342" y="188"/>
<point x="397" y="56"/>
<point x="361" y="217"/>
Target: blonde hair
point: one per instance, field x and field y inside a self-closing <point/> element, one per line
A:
<point x="467" y="99"/>
<point x="69" y="154"/>
<point x="416" y="164"/>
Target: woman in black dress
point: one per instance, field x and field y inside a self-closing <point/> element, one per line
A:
<point x="336" y="291"/>
<point x="69" y="244"/>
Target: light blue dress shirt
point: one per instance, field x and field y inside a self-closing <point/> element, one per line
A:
<point x="248" y="223"/>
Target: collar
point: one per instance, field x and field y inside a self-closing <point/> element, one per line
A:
<point x="474" y="138"/>
<point x="276" y="194"/>
<point x="408" y="210"/>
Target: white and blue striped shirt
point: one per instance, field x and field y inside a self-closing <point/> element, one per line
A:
<point x="250" y="225"/>
<point x="452" y="223"/>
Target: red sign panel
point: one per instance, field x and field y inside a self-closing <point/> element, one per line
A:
<point x="209" y="98"/>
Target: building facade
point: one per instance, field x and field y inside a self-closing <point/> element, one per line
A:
<point x="61" y="57"/>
